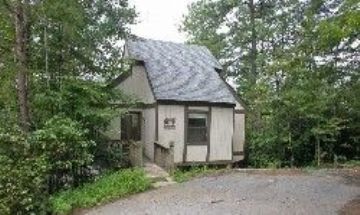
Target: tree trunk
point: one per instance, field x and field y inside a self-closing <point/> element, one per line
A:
<point x="291" y="147"/>
<point x="318" y="151"/>
<point x="253" y="41"/>
<point x="21" y="63"/>
<point x="253" y="64"/>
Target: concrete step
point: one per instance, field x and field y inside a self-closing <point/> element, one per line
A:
<point x="158" y="176"/>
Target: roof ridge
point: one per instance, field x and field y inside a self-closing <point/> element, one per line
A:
<point x="135" y="38"/>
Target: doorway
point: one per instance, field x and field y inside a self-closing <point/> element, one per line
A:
<point x="131" y="126"/>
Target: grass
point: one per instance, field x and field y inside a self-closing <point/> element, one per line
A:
<point x="351" y="164"/>
<point x="182" y="175"/>
<point x="104" y="189"/>
<point x="347" y="164"/>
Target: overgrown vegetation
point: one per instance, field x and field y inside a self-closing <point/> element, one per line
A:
<point x="105" y="188"/>
<point x="296" y="65"/>
<point x="185" y="174"/>
<point x="22" y="176"/>
<point x="56" y="58"/>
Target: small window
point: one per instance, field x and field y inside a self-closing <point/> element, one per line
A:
<point x="197" y="128"/>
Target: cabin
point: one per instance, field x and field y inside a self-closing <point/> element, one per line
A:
<point x="186" y="113"/>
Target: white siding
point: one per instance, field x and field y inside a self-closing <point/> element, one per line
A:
<point x="221" y="132"/>
<point x="239" y="135"/>
<point x="148" y="132"/>
<point x="199" y="108"/>
<point x="196" y="153"/>
<point x="137" y="85"/>
<point x="172" y="135"/>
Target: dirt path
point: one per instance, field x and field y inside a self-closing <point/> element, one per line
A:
<point x="319" y="192"/>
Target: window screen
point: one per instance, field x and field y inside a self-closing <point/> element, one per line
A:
<point x="197" y="128"/>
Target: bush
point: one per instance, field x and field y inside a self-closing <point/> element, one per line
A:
<point x="105" y="188"/>
<point x="263" y="151"/>
<point x="23" y="185"/>
<point x="111" y="155"/>
<point x="64" y="144"/>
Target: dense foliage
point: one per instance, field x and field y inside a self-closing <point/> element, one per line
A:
<point x="296" y="65"/>
<point x="63" y="143"/>
<point x="22" y="176"/>
<point x="56" y="58"/>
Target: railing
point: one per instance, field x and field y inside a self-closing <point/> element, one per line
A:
<point x="164" y="156"/>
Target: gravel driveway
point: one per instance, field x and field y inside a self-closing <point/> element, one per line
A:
<point x="236" y="192"/>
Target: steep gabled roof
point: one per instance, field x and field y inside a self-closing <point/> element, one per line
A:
<point x="180" y="72"/>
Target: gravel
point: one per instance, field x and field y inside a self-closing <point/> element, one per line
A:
<point x="238" y="192"/>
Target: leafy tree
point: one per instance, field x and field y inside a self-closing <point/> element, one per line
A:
<point x="305" y="56"/>
<point x="55" y="60"/>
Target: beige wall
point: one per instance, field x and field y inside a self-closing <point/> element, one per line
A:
<point x="238" y="106"/>
<point x="137" y="85"/>
<point x="221" y="132"/>
<point x="172" y="135"/>
<point x="199" y="108"/>
<point x="196" y="153"/>
<point x="223" y="139"/>
<point x="148" y="132"/>
<point x="239" y="135"/>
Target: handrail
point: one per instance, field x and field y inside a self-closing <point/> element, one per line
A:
<point x="171" y="144"/>
<point x="161" y="145"/>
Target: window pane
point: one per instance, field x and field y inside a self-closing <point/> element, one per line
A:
<point x="197" y="135"/>
<point x="197" y="120"/>
<point x="197" y="128"/>
<point x="197" y="115"/>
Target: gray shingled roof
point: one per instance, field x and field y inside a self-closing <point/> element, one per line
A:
<point x="180" y="72"/>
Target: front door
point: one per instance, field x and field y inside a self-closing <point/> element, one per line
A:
<point x="131" y="126"/>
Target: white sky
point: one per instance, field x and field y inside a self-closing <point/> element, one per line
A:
<point x="160" y="19"/>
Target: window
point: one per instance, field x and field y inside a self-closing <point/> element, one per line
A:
<point x="131" y="127"/>
<point x="197" y="128"/>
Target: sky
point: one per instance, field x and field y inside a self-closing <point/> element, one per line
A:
<point x="160" y="19"/>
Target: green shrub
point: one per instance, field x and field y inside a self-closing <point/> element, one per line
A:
<point x="110" y="155"/>
<point x="264" y="151"/>
<point x="105" y="188"/>
<point x="63" y="142"/>
<point x="23" y="185"/>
